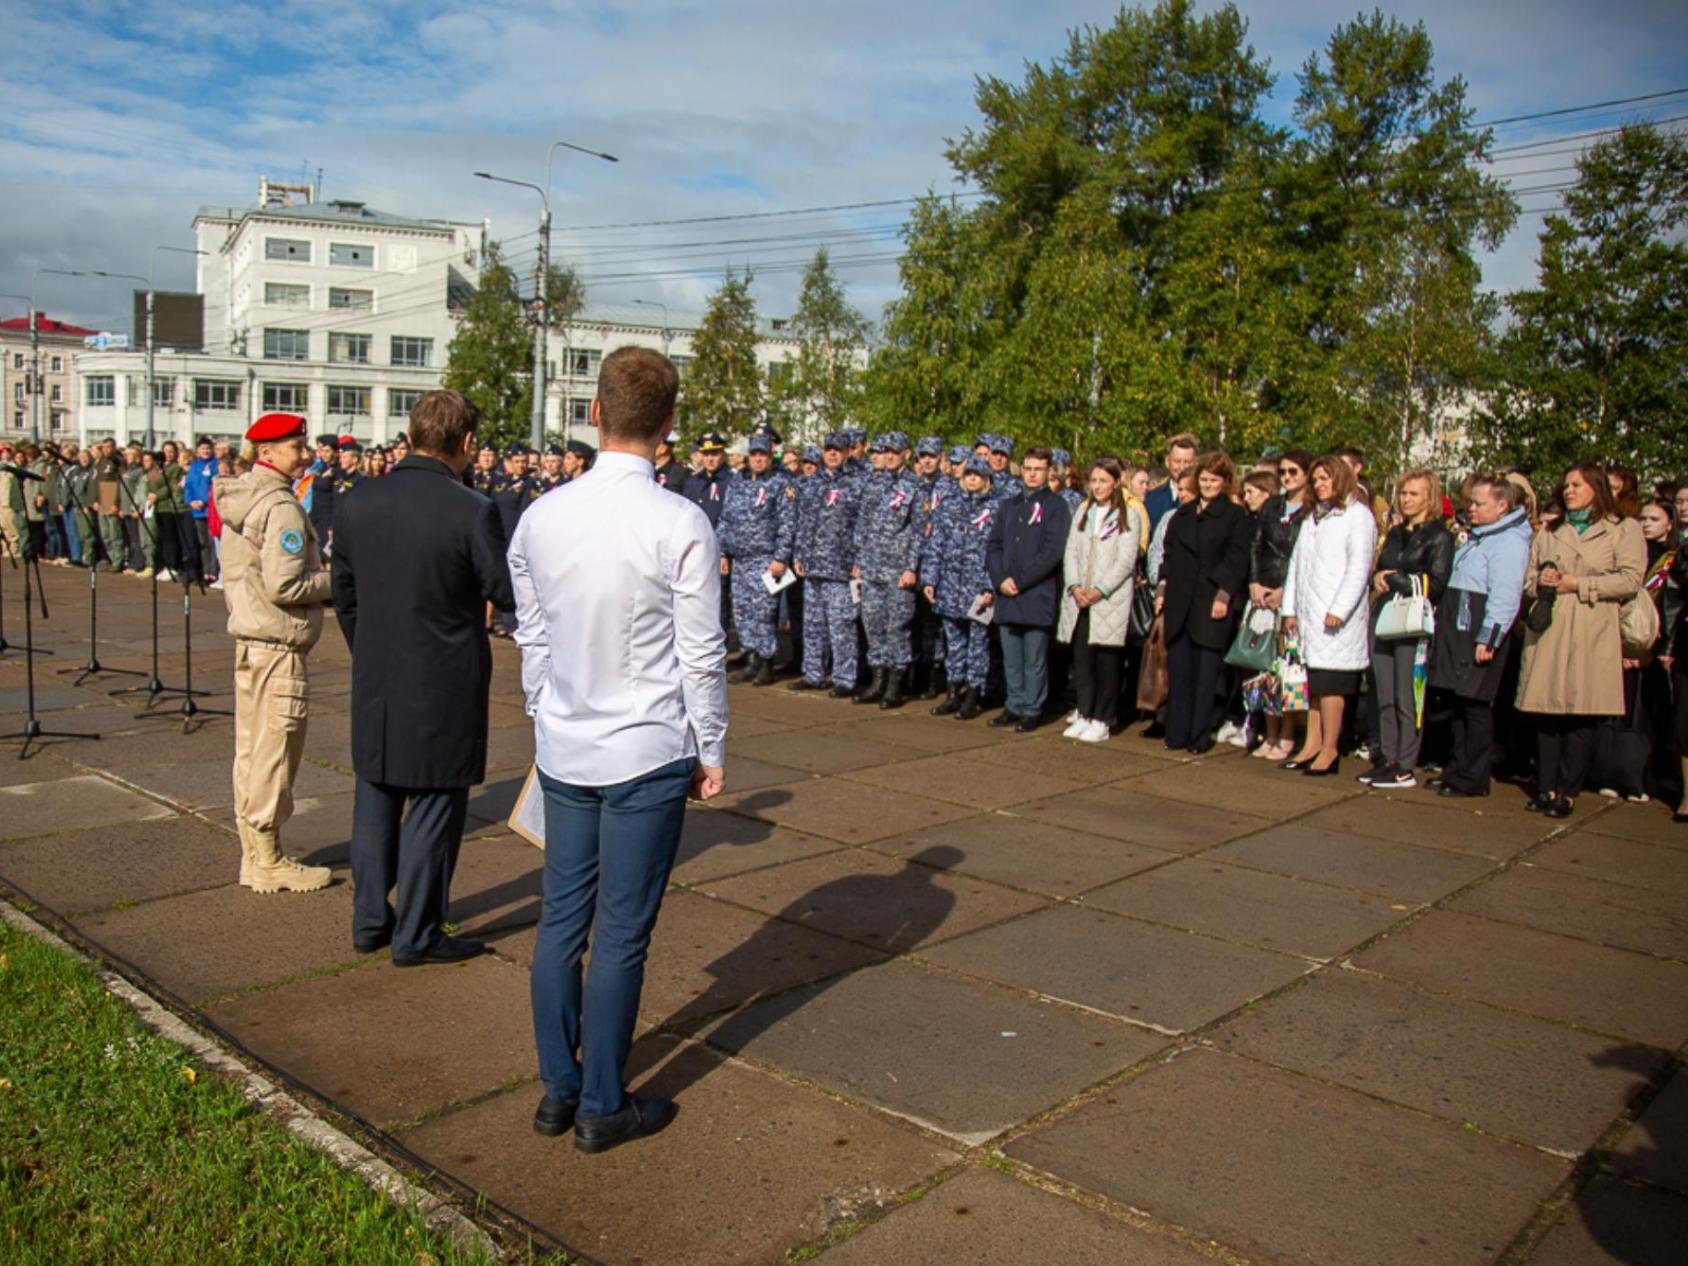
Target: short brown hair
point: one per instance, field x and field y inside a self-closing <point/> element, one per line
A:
<point x="637" y="388"/>
<point x="441" y="420"/>
<point x="1265" y="480"/>
<point x="1217" y="463"/>
<point x="1182" y="440"/>
<point x="1343" y="480"/>
<point x="1039" y="454"/>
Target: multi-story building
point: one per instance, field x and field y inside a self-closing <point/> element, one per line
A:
<point x="59" y="345"/>
<point x="328" y="309"/>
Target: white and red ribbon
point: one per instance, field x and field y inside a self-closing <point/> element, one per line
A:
<point x="1037" y="513"/>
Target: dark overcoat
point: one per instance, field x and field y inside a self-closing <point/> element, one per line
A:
<point x="417" y="556"/>
<point x="1028" y="541"/>
<point x="1206" y="554"/>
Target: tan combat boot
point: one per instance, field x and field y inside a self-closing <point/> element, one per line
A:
<point x="245" y="853"/>
<point x="271" y="871"/>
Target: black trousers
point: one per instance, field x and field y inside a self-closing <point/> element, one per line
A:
<point x="167" y="537"/>
<point x="1191" y="690"/>
<point x="1564" y="750"/>
<point x="1096" y="675"/>
<point x="1473" y="726"/>
<point x="417" y="856"/>
<point x="207" y="548"/>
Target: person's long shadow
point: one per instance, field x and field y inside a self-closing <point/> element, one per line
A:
<point x="1655" y="1145"/>
<point x="891" y="913"/>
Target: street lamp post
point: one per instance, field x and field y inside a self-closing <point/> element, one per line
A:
<point x="536" y="427"/>
<point x="152" y="268"/>
<point x="658" y="303"/>
<point x="36" y="385"/>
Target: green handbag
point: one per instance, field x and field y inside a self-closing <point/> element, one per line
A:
<point x="1256" y="644"/>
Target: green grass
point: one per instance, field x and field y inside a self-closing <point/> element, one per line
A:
<point x="117" y="1147"/>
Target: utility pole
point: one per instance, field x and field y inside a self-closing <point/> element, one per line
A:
<point x="152" y="381"/>
<point x="658" y="303"/>
<point x="37" y="384"/>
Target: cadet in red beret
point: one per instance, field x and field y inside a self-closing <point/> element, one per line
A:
<point x="273" y="427"/>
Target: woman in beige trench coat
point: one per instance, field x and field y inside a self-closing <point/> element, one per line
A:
<point x="1573" y="671"/>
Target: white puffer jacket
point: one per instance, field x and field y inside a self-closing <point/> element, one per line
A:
<point x="1100" y="555"/>
<point x="1330" y="574"/>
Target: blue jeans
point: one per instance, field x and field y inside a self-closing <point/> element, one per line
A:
<point x="608" y="854"/>
<point x="72" y="538"/>
<point x="1025" y="667"/>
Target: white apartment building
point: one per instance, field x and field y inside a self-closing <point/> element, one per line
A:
<point x="328" y="309"/>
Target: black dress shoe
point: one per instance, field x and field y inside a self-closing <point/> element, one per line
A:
<point x="553" y="1116"/>
<point x="842" y="692"/>
<point x="1328" y="771"/>
<point x="446" y="949"/>
<point x="1025" y="725"/>
<point x="1434" y="784"/>
<point x="1538" y="803"/>
<point x="1446" y="790"/>
<point x="1003" y="719"/>
<point x="1680" y="816"/>
<point x="1295" y="764"/>
<point x="1202" y="746"/>
<point x="370" y="944"/>
<point x="639" y="1118"/>
<point x="803" y="683"/>
<point x="1560" y="808"/>
<point x="1153" y="730"/>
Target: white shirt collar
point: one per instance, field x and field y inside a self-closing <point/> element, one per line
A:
<point x="630" y="462"/>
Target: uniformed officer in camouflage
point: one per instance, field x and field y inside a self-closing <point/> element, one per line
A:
<point x="1003" y="479"/>
<point x="953" y="577"/>
<point x="1060" y="476"/>
<point x="826" y="529"/>
<point x="811" y="460"/>
<point x="758" y="530"/>
<point x="275" y="587"/>
<point x="927" y="629"/>
<point x="887" y="552"/>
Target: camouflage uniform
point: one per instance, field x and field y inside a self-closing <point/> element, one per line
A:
<point x="1004" y="483"/>
<point x="887" y="544"/>
<point x="826" y="529"/>
<point x="953" y="566"/>
<point x="758" y="527"/>
<point x="1061" y="464"/>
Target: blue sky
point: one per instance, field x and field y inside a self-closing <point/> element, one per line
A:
<point x="122" y="119"/>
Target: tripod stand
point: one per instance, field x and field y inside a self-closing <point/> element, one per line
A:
<point x="155" y="685"/>
<point x="93" y="668"/>
<point x="5" y="646"/>
<point x="190" y="709"/>
<point x="32" y="731"/>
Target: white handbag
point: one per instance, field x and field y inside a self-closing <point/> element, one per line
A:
<point x="1407" y="615"/>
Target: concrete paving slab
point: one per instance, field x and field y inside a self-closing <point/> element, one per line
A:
<point x="1531" y="1081"/>
<point x="509" y="748"/>
<point x="80" y="803"/>
<point x="1654" y="921"/>
<point x="319" y="832"/>
<point x="914" y="727"/>
<point x="203" y="945"/>
<point x="961" y="778"/>
<point x="42" y="766"/>
<point x="1219" y="784"/>
<point x="1615" y="1223"/>
<point x="1251" y="907"/>
<point x="147" y="743"/>
<point x="1154" y="975"/>
<point x="1647" y="822"/>
<point x="89" y="727"/>
<point x="494" y="799"/>
<point x="1122" y="814"/>
<point x="964" y="1057"/>
<point x="99" y="868"/>
<point x="1416" y="821"/>
<point x="1621" y="861"/>
<point x="830" y="750"/>
<point x="499" y="881"/>
<point x="746" y="773"/>
<point x="889" y="905"/>
<point x="1608" y="990"/>
<point x="1091" y="763"/>
<point x="1052" y="860"/>
<point x="392" y="1044"/>
<point x="744" y="725"/>
<point x="981" y="1215"/>
<point x="714" y="844"/>
<point x="751" y="1168"/>
<point x="1402" y="872"/>
<point x="1656" y="1147"/>
<point x="851" y="813"/>
<point x="801" y="710"/>
<point x="1248" y="1156"/>
<point x="50" y="696"/>
<point x="209" y="784"/>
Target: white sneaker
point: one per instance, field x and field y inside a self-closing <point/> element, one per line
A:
<point x="216" y="584"/>
<point x="1609" y="793"/>
<point x="165" y="574"/>
<point x="1240" y="738"/>
<point x="1075" y="726"/>
<point x="1094" y="732"/>
<point x="1073" y="716"/>
<point x="1227" y="732"/>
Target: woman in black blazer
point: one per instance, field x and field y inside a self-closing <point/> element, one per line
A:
<point x="1202" y="577"/>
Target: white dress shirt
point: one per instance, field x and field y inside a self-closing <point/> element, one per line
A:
<point x="618" y="595"/>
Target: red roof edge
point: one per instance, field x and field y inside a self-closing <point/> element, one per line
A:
<point x="46" y="325"/>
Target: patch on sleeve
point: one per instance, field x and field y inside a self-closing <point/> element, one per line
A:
<point x="293" y="541"/>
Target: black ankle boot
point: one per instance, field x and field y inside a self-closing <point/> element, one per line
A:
<point x="875" y="689"/>
<point x="952" y="701"/>
<point x="748" y="670"/>
<point x="935" y="684"/>
<point x="894" y="695"/>
<point x="970" y="705"/>
<point x="764" y="674"/>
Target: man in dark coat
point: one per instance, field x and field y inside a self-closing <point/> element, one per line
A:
<point x="1023" y="558"/>
<point x="418" y="556"/>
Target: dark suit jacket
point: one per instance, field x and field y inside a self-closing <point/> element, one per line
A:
<point x="1206" y="554"/>
<point x="416" y="558"/>
<point x="1031" y="553"/>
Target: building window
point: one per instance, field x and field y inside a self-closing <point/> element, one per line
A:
<point x="283" y="294"/>
<point x="681" y="363"/>
<point x="287" y="344"/>
<point x="779" y="372"/>
<point x="345" y="297"/>
<point x="584" y="364"/>
<point x="17" y="419"/>
<point x="288" y="397"/>
<point x="17" y="391"/>
<point x="349" y="256"/>
<point x="418" y="352"/>
<point x="57" y="366"/>
<point x="400" y="403"/>
<point x="58" y="393"/>
<point x="580" y="412"/>
<point x="348" y="400"/>
<point x="58" y="420"/>
<point x="287" y="248"/>
<point x="216" y="393"/>
<point x="17" y="360"/>
<point x="163" y="391"/>
<point x="348" y="349"/>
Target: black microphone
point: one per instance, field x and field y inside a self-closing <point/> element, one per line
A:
<point x="22" y="472"/>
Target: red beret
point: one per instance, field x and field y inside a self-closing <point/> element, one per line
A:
<point x="275" y="426"/>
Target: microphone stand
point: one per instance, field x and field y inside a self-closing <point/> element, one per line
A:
<point x="190" y="709"/>
<point x="93" y="667"/>
<point x="6" y="647"/>
<point x="32" y="732"/>
<point x="155" y="685"/>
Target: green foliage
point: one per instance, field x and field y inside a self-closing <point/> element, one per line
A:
<point x="1596" y="361"/>
<point x="821" y="390"/>
<point x="722" y="387"/>
<point x="490" y="359"/>
<point x="565" y="295"/>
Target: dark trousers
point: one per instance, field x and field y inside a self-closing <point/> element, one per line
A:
<point x="1192" y="684"/>
<point x="168" y="537"/>
<point x="417" y="856"/>
<point x="137" y="558"/>
<point x="207" y="548"/>
<point x="1096" y="675"/>
<point x="187" y="539"/>
<point x="1025" y="667"/>
<point x="608" y="854"/>
<point x="1564" y="749"/>
<point x="1473" y="725"/>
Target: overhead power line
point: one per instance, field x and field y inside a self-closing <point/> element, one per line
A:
<point x="1582" y="109"/>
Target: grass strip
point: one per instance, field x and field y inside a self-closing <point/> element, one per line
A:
<point x="117" y="1146"/>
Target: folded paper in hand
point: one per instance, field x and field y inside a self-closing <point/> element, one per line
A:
<point x="784" y="580"/>
<point x="981" y="610"/>
<point x="856" y="591"/>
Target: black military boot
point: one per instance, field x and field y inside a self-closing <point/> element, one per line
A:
<point x="764" y="673"/>
<point x="875" y="689"/>
<point x="970" y="705"/>
<point x="746" y="671"/>
<point x="934" y="682"/>
<point x="951" y="702"/>
<point x="803" y="683"/>
<point x="895" y="689"/>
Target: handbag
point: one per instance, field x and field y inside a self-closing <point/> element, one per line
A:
<point x="1407" y="615"/>
<point x="1291" y="672"/>
<point x="1152" y="676"/>
<point x="1256" y="644"/>
<point x="1142" y="607"/>
<point x="1638" y="625"/>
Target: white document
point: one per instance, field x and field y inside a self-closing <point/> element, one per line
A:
<point x="787" y="578"/>
<point x="981" y="610"/>
<point x="527" y="819"/>
<point x="856" y="591"/>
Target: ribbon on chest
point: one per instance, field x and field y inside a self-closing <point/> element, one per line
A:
<point x="761" y="497"/>
<point x="899" y="499"/>
<point x="1036" y="515"/>
<point x="982" y="520"/>
<point x="714" y="492"/>
<point x="834" y="497"/>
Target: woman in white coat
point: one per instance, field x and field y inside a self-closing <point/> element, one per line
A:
<point x="1325" y="605"/>
<point x="1099" y="567"/>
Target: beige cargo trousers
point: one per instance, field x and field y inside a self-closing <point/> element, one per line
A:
<point x="271" y="707"/>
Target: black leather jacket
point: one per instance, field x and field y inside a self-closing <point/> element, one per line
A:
<point x="1272" y="544"/>
<point x="1427" y="550"/>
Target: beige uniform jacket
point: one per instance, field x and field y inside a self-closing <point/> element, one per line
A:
<point x="273" y="578"/>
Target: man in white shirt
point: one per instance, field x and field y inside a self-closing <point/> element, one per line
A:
<point x="618" y="599"/>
